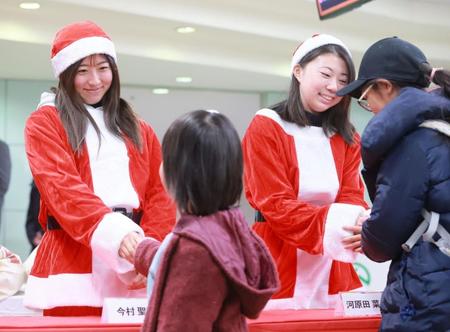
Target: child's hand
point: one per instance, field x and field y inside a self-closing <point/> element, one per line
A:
<point x="128" y="246"/>
<point x="138" y="282"/>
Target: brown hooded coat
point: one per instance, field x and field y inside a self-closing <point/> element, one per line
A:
<point x="214" y="273"/>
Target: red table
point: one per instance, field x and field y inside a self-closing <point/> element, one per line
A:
<point x="277" y="320"/>
<point x="312" y="321"/>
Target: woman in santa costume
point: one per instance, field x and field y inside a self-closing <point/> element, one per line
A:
<point x="96" y="167"/>
<point x="302" y="161"/>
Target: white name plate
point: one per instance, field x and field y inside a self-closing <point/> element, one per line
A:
<point x="359" y="303"/>
<point x="124" y="310"/>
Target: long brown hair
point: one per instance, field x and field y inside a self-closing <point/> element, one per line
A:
<point x="118" y="114"/>
<point x="334" y="120"/>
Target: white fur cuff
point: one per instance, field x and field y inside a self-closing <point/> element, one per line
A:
<point x="107" y="237"/>
<point x="340" y="215"/>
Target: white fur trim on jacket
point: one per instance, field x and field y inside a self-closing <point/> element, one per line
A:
<point x="73" y="289"/>
<point x="68" y="289"/>
<point x="340" y="215"/>
<point x="47" y="99"/>
<point x="106" y="239"/>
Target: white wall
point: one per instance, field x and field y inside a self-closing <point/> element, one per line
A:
<point x="161" y="110"/>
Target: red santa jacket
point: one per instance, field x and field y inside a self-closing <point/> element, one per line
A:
<point x="271" y="175"/>
<point x="65" y="272"/>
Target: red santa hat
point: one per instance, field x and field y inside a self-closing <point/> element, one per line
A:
<point x="77" y="41"/>
<point x="314" y="42"/>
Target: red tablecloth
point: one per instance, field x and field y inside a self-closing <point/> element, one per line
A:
<point x="312" y="321"/>
<point x="282" y="320"/>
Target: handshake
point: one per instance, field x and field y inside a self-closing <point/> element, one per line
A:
<point x="353" y="242"/>
<point x="127" y="250"/>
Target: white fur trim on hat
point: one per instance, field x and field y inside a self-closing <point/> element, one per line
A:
<point x="314" y="42"/>
<point x="81" y="49"/>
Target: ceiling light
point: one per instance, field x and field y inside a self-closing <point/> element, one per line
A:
<point x="184" y="79"/>
<point x="160" y="91"/>
<point x="30" y="5"/>
<point x="185" y="29"/>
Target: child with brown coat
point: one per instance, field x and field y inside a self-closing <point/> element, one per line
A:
<point x="212" y="270"/>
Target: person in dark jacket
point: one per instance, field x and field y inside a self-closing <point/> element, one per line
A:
<point x="212" y="269"/>
<point x="406" y="156"/>
<point x="32" y="226"/>
<point x="5" y="173"/>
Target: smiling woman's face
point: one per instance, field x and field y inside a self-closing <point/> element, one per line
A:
<point x="319" y="80"/>
<point x="93" y="78"/>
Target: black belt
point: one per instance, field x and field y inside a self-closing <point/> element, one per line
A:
<point x="259" y="217"/>
<point x="53" y="224"/>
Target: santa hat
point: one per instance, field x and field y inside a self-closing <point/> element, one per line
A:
<point x="314" y="42"/>
<point x="77" y="41"/>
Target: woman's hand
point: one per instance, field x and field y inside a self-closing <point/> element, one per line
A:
<point x="353" y="242"/>
<point x="128" y="246"/>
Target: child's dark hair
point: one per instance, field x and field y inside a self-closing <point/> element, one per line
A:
<point x="203" y="162"/>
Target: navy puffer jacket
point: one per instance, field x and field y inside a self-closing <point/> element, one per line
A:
<point x="406" y="169"/>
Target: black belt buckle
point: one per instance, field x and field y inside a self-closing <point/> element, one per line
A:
<point x="123" y="211"/>
<point x="136" y="217"/>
